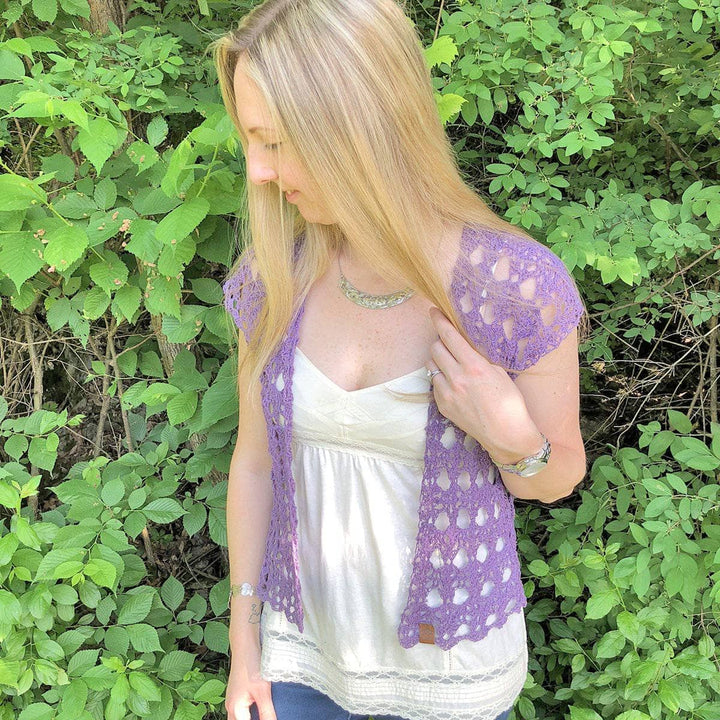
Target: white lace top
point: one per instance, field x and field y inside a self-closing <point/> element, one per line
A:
<point x="357" y="464"/>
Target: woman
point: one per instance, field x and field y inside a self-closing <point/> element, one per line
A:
<point x="407" y="366"/>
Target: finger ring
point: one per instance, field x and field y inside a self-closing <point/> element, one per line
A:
<point x="432" y="373"/>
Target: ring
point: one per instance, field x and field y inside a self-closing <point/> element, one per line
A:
<point x="432" y="373"/>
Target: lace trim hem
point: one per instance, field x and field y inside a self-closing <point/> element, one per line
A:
<point x="411" y="694"/>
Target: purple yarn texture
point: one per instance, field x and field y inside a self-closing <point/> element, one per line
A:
<point x="465" y="575"/>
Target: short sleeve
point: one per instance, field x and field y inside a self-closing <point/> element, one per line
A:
<point x="243" y="295"/>
<point x="549" y="307"/>
<point x="516" y="298"/>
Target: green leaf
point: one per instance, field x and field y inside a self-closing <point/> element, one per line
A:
<point x="163" y="296"/>
<point x="448" y="105"/>
<point x="11" y="67"/>
<point x="185" y="328"/>
<point x="187" y="711"/>
<point x="45" y="10"/>
<point x="173" y="258"/>
<point x="662" y="209"/>
<point x="40" y="455"/>
<point x="127" y="301"/>
<point x="680" y="422"/>
<point x="117" y="640"/>
<point x="211" y="691"/>
<point x="77" y="7"/>
<point x="98" y="141"/>
<point x="75" y="113"/>
<point x="195" y="519"/>
<point x="65" y="245"/>
<point x="611" y="644"/>
<point x="580" y="713"/>
<point x="157" y="130"/>
<point x="696" y="454"/>
<point x="539" y="568"/>
<point x="105" y="194"/>
<point x="163" y="510"/>
<point x="144" y="638"/>
<point x="145" y="686"/>
<point x="151" y="365"/>
<point x="17" y="192"/>
<point x="182" y="221"/>
<point x="442" y="50"/>
<point x="16" y="446"/>
<point x="113" y="492"/>
<point x="601" y="603"/>
<point x="9" y="496"/>
<point x="172" y="592"/>
<point x="111" y="273"/>
<point x="136" y="608"/>
<point x="96" y="303"/>
<point x="175" y="665"/>
<point x="207" y="290"/>
<point x="630" y="627"/>
<point x="220" y="400"/>
<point x="182" y="407"/>
<point x="142" y="155"/>
<point x="37" y="711"/>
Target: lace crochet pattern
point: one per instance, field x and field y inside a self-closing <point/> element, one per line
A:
<point x="517" y="302"/>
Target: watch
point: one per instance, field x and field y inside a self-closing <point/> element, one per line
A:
<point x="245" y="589"/>
<point x="530" y="465"/>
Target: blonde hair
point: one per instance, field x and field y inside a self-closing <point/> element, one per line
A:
<point x="346" y="82"/>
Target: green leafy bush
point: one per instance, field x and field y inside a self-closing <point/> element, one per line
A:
<point x="594" y="125"/>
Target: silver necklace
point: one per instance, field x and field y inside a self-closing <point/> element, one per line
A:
<point x="372" y="302"/>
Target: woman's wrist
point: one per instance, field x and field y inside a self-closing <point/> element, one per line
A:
<point x="521" y="447"/>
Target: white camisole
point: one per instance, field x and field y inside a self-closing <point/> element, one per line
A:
<point x="357" y="464"/>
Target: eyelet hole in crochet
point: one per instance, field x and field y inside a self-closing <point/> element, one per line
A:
<point x="501" y="268"/>
<point x="443" y="480"/>
<point x="461" y="595"/>
<point x="491" y="619"/>
<point x="280" y="382"/>
<point x="487" y="313"/>
<point x="436" y="559"/>
<point x="462" y="630"/>
<point x="507" y="326"/>
<point x="527" y="288"/>
<point x="442" y="522"/>
<point x="487" y="588"/>
<point x="482" y="517"/>
<point x="548" y="312"/>
<point x="476" y="256"/>
<point x="507" y="572"/>
<point x="482" y="553"/>
<point x="510" y="605"/>
<point x="466" y="303"/>
<point x="499" y="545"/>
<point x="461" y="559"/>
<point x="463" y="519"/>
<point x="463" y="481"/>
<point x="448" y="437"/>
<point x="434" y="598"/>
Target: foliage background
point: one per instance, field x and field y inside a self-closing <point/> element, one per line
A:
<point x="594" y="125"/>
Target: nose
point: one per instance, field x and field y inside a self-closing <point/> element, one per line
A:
<point x="259" y="169"/>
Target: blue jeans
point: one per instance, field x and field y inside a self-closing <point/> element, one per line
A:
<point x="294" y="701"/>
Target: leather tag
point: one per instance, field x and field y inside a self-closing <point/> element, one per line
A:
<point x="427" y="634"/>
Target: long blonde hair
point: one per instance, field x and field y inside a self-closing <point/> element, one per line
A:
<point x="347" y="84"/>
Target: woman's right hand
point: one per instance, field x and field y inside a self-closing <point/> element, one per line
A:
<point x="245" y="684"/>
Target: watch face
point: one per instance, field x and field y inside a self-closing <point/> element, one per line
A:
<point x="532" y="467"/>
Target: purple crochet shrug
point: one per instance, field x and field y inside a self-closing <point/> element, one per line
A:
<point x="465" y="557"/>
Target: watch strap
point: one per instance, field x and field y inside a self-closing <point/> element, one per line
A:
<point x="521" y="466"/>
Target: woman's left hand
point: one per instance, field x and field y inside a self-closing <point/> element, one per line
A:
<point x="479" y="396"/>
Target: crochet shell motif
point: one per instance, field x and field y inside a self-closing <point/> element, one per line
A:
<point x="517" y="302"/>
